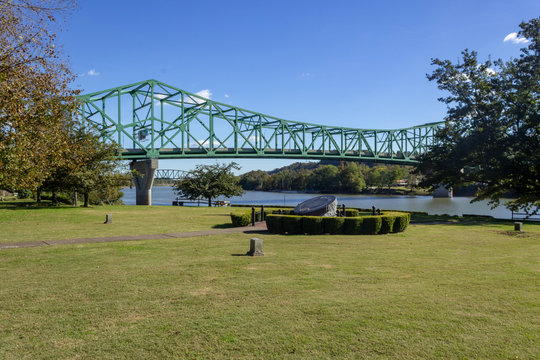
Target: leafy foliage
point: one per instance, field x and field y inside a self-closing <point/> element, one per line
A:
<point x="209" y="182"/>
<point x="241" y="218"/>
<point x="492" y="132"/>
<point x="312" y="225"/>
<point x="348" y="177"/>
<point x="36" y="102"/>
<point x="333" y="225"/>
<point x="91" y="168"/>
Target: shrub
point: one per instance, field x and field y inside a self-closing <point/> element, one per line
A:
<point x="353" y="225"/>
<point x="371" y="225"/>
<point x="241" y="218"/>
<point x="312" y="225"/>
<point x="273" y="223"/>
<point x="291" y="224"/>
<point x="63" y="199"/>
<point x="387" y="223"/>
<point x="352" y="212"/>
<point x="401" y="223"/>
<point x="283" y="211"/>
<point x="333" y="225"/>
<point x="24" y="194"/>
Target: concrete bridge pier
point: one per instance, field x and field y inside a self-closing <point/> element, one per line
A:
<point x="443" y="192"/>
<point x="143" y="181"/>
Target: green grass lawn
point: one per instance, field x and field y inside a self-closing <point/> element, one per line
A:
<point x="436" y="291"/>
<point x="20" y="224"/>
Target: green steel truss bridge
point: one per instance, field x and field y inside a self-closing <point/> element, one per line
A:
<point x="169" y="174"/>
<point x="153" y="120"/>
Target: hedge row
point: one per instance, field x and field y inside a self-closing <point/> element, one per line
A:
<point x="368" y="225"/>
<point x="243" y="217"/>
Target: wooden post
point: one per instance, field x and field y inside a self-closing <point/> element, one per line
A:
<point x="262" y="212"/>
<point x="253" y="216"/>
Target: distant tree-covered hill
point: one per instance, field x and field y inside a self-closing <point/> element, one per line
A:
<point x="328" y="176"/>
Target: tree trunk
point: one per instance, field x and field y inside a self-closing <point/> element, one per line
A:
<point x="86" y="195"/>
<point x="75" y="198"/>
<point x="209" y="202"/>
<point x="38" y="195"/>
<point x="54" y="198"/>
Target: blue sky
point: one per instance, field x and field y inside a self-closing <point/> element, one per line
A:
<point x="344" y="63"/>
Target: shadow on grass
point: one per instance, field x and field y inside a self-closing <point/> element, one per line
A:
<point x="257" y="231"/>
<point x="222" y="226"/>
<point x="239" y="254"/>
<point x="31" y="204"/>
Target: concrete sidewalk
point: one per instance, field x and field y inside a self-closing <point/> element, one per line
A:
<point x="261" y="226"/>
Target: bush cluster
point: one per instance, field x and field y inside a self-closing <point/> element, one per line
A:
<point x="242" y="217"/>
<point x="283" y="221"/>
<point x="367" y="225"/>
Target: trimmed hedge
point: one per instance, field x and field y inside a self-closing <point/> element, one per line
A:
<point x="352" y="212"/>
<point x="353" y="225"/>
<point x="291" y="224"/>
<point x="273" y="223"/>
<point x="333" y="225"/>
<point x="371" y="225"/>
<point x="241" y="218"/>
<point x="401" y="223"/>
<point x="312" y="225"/>
<point x="387" y="223"/>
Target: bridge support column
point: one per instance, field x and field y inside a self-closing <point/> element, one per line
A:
<point x="443" y="192"/>
<point x="144" y="180"/>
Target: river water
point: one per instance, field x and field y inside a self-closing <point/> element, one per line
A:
<point x="164" y="195"/>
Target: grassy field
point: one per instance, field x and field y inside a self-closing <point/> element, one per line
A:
<point x="460" y="290"/>
<point x="20" y="223"/>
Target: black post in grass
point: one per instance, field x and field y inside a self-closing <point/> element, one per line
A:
<point x="253" y="216"/>
<point x="262" y="212"/>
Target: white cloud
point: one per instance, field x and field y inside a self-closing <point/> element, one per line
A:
<point x="306" y="75"/>
<point x="490" y="71"/>
<point x="204" y="143"/>
<point x="513" y="38"/>
<point x="93" y="72"/>
<point x="226" y="96"/>
<point x="206" y="93"/>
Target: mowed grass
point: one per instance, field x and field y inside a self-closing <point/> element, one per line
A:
<point x="18" y="224"/>
<point x="435" y="291"/>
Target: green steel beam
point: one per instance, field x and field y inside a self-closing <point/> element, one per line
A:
<point x="187" y="125"/>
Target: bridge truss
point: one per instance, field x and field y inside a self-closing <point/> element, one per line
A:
<point x="169" y="174"/>
<point x="151" y="119"/>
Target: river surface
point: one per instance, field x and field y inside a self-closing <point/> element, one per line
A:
<point x="164" y="195"/>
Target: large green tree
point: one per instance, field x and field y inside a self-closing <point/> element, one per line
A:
<point x="36" y="103"/>
<point x="492" y="132"/>
<point x="209" y="182"/>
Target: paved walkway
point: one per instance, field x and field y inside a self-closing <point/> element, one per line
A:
<point x="261" y="226"/>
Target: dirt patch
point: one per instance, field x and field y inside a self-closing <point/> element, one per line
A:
<point x="519" y="234"/>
